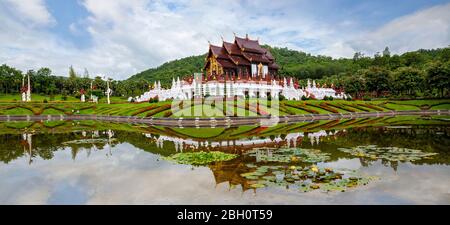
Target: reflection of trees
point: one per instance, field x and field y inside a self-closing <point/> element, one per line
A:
<point x="12" y="146"/>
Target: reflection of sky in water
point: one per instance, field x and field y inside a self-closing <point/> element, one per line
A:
<point x="133" y="176"/>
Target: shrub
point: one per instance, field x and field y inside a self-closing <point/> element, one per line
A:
<point x="330" y="98"/>
<point x="281" y="97"/>
<point x="304" y="98"/>
<point x="325" y="98"/>
<point x="153" y="100"/>
<point x="64" y="98"/>
<point x="45" y="101"/>
<point x="168" y="114"/>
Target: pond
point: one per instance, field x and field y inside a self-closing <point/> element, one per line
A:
<point x="386" y="160"/>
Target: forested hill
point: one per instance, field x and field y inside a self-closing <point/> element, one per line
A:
<point x="180" y="67"/>
<point x="302" y="65"/>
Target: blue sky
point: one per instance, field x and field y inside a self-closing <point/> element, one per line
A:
<point x="121" y="37"/>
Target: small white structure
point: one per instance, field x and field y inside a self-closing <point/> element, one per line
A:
<point x="83" y="98"/>
<point x="26" y="94"/>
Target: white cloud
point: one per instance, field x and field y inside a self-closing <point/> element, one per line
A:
<point x="429" y="28"/>
<point x="34" y="11"/>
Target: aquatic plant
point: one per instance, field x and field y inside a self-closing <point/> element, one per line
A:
<point x="89" y="141"/>
<point x="200" y="158"/>
<point x="394" y="154"/>
<point x="305" y="179"/>
<point x="288" y="155"/>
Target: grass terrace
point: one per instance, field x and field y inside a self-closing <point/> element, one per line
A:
<point x="250" y="107"/>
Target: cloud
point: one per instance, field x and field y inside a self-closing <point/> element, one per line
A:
<point x="34" y="11"/>
<point x="128" y="36"/>
<point x="429" y="28"/>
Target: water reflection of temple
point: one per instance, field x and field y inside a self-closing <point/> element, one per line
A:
<point x="288" y="140"/>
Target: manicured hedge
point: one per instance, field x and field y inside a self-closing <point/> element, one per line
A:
<point x="324" y="106"/>
<point x="371" y="107"/>
<point x="357" y="107"/>
<point x="302" y="107"/>
<point x="159" y="109"/>
<point x="145" y="110"/>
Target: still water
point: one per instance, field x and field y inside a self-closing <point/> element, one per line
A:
<point x="90" y="162"/>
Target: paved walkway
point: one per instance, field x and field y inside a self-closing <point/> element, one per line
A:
<point x="223" y="121"/>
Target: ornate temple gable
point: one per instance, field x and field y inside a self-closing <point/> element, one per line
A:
<point x="218" y="52"/>
<point x="232" y="48"/>
<point x="247" y="45"/>
<point x="239" y="60"/>
<point x="256" y="58"/>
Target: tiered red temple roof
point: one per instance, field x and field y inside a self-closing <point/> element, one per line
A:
<point x="242" y="58"/>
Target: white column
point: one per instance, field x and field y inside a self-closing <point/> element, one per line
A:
<point x="29" y="89"/>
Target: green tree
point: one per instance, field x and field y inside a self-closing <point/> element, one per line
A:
<point x="355" y="85"/>
<point x="407" y="80"/>
<point x="438" y="77"/>
<point x="377" y="80"/>
<point x="72" y="73"/>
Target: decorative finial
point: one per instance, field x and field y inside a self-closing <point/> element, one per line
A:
<point x="246" y="36"/>
<point x="234" y="34"/>
<point x="209" y="43"/>
<point x="221" y="38"/>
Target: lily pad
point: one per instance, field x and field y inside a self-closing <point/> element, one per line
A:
<point x="289" y="155"/>
<point x="200" y="158"/>
<point x="393" y="154"/>
<point x="89" y="141"/>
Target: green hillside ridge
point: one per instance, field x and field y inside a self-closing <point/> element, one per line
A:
<point x="300" y="64"/>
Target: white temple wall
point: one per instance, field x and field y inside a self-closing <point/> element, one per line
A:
<point x="183" y="91"/>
